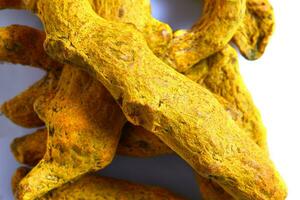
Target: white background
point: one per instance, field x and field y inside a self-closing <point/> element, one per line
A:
<point x="274" y="81"/>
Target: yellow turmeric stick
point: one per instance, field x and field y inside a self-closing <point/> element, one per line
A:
<point x="152" y="37"/>
<point x="20" y="108"/>
<point x="80" y="136"/>
<point x="135" y="141"/>
<point x="256" y="30"/>
<point x="137" y="12"/>
<point x="30" y="149"/>
<point x="95" y="187"/>
<point x="175" y="108"/>
<point x="24" y="45"/>
<point x="220" y="74"/>
<point x="211" y="33"/>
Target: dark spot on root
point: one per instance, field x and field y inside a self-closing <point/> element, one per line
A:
<point x="12" y="46"/>
<point x="121" y="12"/>
<point x="143" y="144"/>
<point x="51" y="131"/>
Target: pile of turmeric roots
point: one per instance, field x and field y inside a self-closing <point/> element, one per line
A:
<point x="121" y="82"/>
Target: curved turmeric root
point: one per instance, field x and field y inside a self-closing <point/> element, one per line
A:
<point x="31" y="148"/>
<point x="211" y="33"/>
<point x="104" y="188"/>
<point x="20" y="108"/>
<point x="24" y="45"/>
<point x="220" y="74"/>
<point x="175" y="108"/>
<point x="135" y="141"/>
<point x="95" y="187"/>
<point x="137" y="12"/>
<point x="256" y="30"/>
<point x="80" y="136"/>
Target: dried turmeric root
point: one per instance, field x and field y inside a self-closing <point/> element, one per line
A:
<point x="177" y="112"/>
<point x="30" y="149"/>
<point x="95" y="187"/>
<point x="80" y="136"/>
<point x="220" y="74"/>
<point x="20" y="108"/>
<point x="137" y="142"/>
<point x="137" y="12"/>
<point x="211" y="33"/>
<point x="256" y="30"/>
<point x="24" y="45"/>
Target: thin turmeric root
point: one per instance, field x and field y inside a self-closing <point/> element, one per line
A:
<point x="255" y="32"/>
<point x="95" y="187"/>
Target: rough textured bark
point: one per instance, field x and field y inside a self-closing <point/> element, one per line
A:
<point x="95" y="187"/>
<point x="24" y="45"/>
<point x="177" y="112"/>
<point x="220" y="74"/>
<point x="20" y="108"/>
<point x="255" y="32"/>
<point x="81" y="138"/>
<point x="212" y="32"/>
